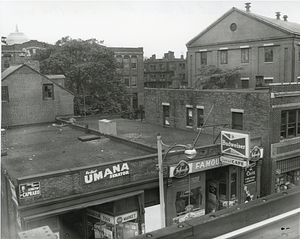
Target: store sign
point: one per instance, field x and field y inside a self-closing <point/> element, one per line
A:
<point x="236" y="144"/>
<point x="107" y="218"/>
<point x="93" y="213"/>
<point x="29" y="190"/>
<point x="250" y="174"/>
<point x="183" y="168"/>
<point x="126" y="217"/>
<point x="100" y="173"/>
<point x="234" y="161"/>
<point x="107" y="233"/>
<point x="13" y="193"/>
<point x="256" y="154"/>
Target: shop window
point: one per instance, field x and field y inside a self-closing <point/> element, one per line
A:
<point x="290" y="124"/>
<point x="48" y="93"/>
<point x="189" y="116"/>
<point x="4" y="94"/>
<point x="166" y="115"/>
<point x="200" y="118"/>
<point x="187" y="201"/>
<point x="245" y="55"/>
<point x="237" y="120"/>
<point x="224" y="57"/>
<point x="203" y="57"/>
<point x="269" y="54"/>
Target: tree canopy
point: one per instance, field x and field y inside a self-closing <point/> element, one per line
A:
<point x="212" y="77"/>
<point x="90" y="71"/>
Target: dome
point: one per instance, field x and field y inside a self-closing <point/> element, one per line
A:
<point x="16" y="38"/>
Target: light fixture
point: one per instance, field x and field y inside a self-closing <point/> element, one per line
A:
<point x="190" y="152"/>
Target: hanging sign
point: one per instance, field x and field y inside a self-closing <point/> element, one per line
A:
<point x="29" y="190"/>
<point x="235" y="144"/>
<point x="250" y="174"/>
<point x="234" y="161"/>
<point x="107" y="218"/>
<point x="256" y="154"/>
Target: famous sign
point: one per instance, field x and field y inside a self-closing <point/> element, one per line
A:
<point x="235" y="144"/>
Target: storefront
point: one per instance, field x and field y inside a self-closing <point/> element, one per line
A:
<point x="206" y="185"/>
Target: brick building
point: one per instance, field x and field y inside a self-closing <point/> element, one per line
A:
<point x="29" y="97"/>
<point x="168" y="72"/>
<point x="271" y="116"/>
<point x="131" y="68"/>
<point x="267" y="49"/>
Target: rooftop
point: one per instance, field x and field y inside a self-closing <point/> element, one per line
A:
<point x="51" y="147"/>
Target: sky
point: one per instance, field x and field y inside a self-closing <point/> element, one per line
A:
<point x="157" y="26"/>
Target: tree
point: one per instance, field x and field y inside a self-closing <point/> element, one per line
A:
<point x="90" y="71"/>
<point x="212" y="77"/>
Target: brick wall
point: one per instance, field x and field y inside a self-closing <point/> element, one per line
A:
<point x="26" y="104"/>
<point x="256" y="116"/>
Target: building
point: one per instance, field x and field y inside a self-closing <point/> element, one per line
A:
<point x="28" y="97"/>
<point x="270" y="116"/>
<point x="131" y="68"/>
<point x="267" y="49"/>
<point x="17" y="49"/>
<point x="168" y="72"/>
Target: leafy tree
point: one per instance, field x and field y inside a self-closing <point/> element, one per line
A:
<point x="212" y="77"/>
<point x="90" y="71"/>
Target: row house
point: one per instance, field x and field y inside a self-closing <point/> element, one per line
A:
<point x="267" y="49"/>
<point x="168" y="72"/>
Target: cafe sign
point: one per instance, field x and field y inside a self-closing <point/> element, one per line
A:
<point x="235" y="144"/>
<point x="234" y="161"/>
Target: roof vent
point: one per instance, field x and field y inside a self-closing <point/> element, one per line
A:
<point x="285" y="17"/>
<point x="247" y="6"/>
<point x="278" y="15"/>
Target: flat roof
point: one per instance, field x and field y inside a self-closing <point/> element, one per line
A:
<point x="51" y="147"/>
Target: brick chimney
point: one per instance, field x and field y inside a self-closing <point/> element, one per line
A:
<point x="277" y="15"/>
<point x="285" y="17"/>
<point x="247" y="6"/>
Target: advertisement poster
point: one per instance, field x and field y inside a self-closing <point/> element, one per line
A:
<point x="29" y="189"/>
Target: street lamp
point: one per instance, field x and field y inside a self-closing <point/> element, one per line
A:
<point x="190" y="153"/>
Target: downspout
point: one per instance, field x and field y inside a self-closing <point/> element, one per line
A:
<point x="293" y="61"/>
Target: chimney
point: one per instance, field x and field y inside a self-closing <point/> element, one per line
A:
<point x="285" y="17"/>
<point x="247" y="6"/>
<point x="153" y="57"/>
<point x="278" y="15"/>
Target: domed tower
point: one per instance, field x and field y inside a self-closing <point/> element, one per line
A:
<point x="16" y="37"/>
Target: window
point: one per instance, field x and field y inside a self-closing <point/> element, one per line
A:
<point x="298" y="53"/>
<point x="268" y="80"/>
<point x="152" y="67"/>
<point x="290" y="123"/>
<point x="133" y="81"/>
<point x="126" y="62"/>
<point x="203" y="57"/>
<point x="224" y="56"/>
<point x="162" y="67"/>
<point x="48" y="93"/>
<point x="200" y="118"/>
<point x="189" y="116"/>
<point x="245" y="55"/>
<point x="269" y="54"/>
<point x="4" y="93"/>
<point x="133" y="63"/>
<point x="166" y="115"/>
<point x="245" y="83"/>
<point x="126" y="81"/>
<point x="237" y="120"/>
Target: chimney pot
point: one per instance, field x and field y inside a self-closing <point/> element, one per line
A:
<point x="285" y="17"/>
<point x="247" y="6"/>
<point x="278" y="15"/>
